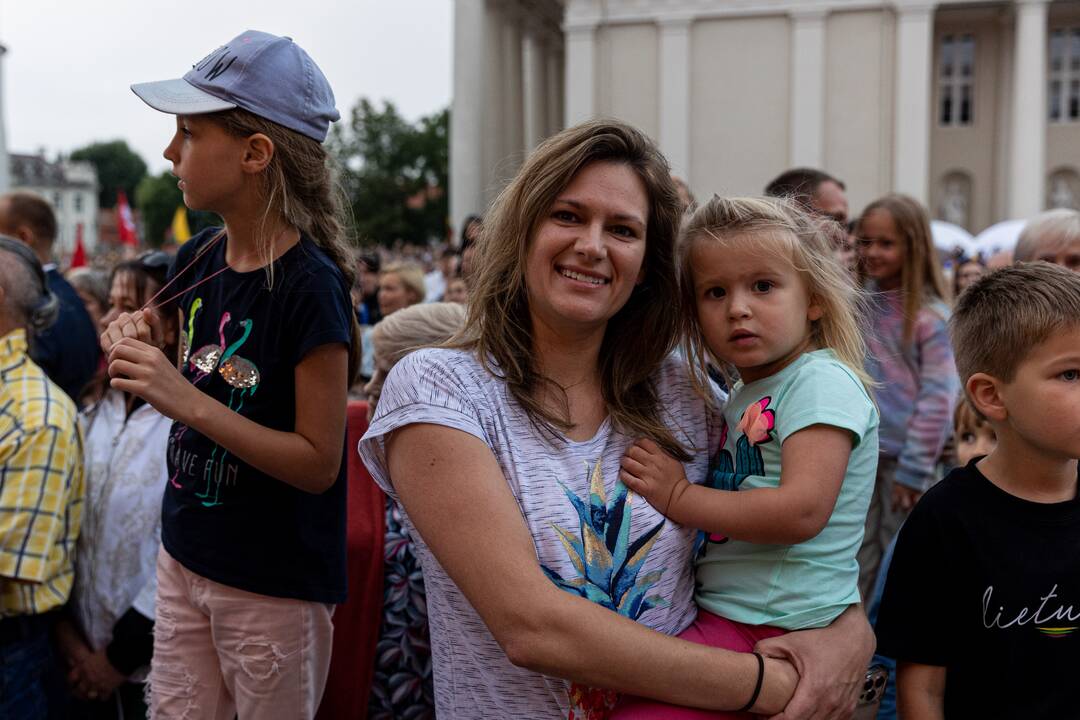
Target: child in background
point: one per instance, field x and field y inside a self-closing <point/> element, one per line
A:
<point x="979" y="607"/>
<point x="786" y="501"/>
<point x="253" y="518"/>
<point x="1053" y="236"/>
<point x="911" y="362"/>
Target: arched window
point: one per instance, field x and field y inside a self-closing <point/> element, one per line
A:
<point x="1063" y="189"/>
<point x="954" y="198"/>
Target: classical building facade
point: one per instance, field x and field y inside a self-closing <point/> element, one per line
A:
<point x="72" y="190"/>
<point x="972" y="108"/>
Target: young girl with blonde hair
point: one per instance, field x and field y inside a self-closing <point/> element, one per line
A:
<point x="253" y="519"/>
<point x="784" y="503"/>
<point x="911" y="360"/>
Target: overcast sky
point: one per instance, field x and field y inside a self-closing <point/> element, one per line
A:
<point x="70" y="62"/>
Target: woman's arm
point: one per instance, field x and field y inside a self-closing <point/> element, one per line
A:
<point x="814" y="461"/>
<point x="832" y="663"/>
<point x="920" y="691"/>
<point x="459" y="501"/>
<point x="307" y="458"/>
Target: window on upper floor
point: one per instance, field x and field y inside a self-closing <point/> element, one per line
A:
<point x="956" y="80"/>
<point x="1063" y="95"/>
<point x="78" y="202"/>
<point x="58" y="201"/>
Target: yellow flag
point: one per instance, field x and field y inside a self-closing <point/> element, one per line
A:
<point x="180" y="230"/>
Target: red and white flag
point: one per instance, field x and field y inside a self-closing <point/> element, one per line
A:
<point x="125" y="221"/>
<point x="78" y="258"/>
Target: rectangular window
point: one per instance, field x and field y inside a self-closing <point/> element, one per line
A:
<point x="78" y="202"/>
<point x="1063" y="70"/>
<point x="956" y="78"/>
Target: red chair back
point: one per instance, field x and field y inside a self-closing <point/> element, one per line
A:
<point x="356" y="622"/>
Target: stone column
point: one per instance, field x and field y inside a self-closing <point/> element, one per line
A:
<point x="914" y="51"/>
<point x="536" y="90"/>
<point x="5" y="167"/>
<point x="1027" y="146"/>
<point x="807" y="88"/>
<point x="512" y="86"/>
<point x="675" y="94"/>
<point x="555" y="94"/>
<point x="580" y="72"/>
<point x="468" y="110"/>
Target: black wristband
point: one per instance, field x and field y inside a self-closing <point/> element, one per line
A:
<point x="757" y="686"/>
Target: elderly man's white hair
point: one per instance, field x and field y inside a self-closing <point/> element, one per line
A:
<point x="27" y="301"/>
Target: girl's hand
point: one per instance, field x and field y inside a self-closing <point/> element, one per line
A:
<point x="143" y="370"/>
<point x="142" y="325"/>
<point x="71" y="645"/>
<point x="904" y="498"/>
<point x="653" y="474"/>
<point x="95" y="678"/>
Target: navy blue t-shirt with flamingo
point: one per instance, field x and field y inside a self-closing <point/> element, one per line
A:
<point x="243" y="335"/>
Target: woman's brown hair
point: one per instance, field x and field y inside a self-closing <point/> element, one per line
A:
<point x="639" y="336"/>
<point x="921" y="279"/>
<point x="299" y="183"/>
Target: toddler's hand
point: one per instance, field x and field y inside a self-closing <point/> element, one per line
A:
<point x="653" y="474"/>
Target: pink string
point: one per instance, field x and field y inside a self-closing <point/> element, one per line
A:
<point x="198" y="255"/>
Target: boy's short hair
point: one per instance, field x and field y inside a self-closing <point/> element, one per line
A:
<point x="966" y="416"/>
<point x="1000" y="318"/>
<point x="1051" y="230"/>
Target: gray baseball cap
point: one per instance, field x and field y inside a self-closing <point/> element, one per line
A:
<point x="264" y="74"/>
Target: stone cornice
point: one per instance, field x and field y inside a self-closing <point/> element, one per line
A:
<point x="591" y="13"/>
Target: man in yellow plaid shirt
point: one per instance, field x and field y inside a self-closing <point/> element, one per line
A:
<point x="41" y="488"/>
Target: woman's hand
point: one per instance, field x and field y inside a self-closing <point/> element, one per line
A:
<point x="831" y="662"/>
<point x="95" y="678"/>
<point x="653" y="474"/>
<point x="143" y="370"/>
<point x="904" y="498"/>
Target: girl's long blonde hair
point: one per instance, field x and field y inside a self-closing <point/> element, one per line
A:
<point x="779" y="228"/>
<point x="499" y="325"/>
<point x="299" y="184"/>
<point x="921" y="278"/>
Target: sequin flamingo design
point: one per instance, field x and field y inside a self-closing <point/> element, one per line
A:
<point x="206" y="358"/>
<point x="243" y="376"/>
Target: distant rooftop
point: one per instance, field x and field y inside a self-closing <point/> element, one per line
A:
<point x="35" y="171"/>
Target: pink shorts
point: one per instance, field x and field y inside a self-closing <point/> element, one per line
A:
<point x="711" y="630"/>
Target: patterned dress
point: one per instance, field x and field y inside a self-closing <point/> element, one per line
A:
<point x="402" y="686"/>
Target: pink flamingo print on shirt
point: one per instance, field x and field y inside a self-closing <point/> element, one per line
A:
<point x="243" y="376"/>
<point x="205" y="360"/>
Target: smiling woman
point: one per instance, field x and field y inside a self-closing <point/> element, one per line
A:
<point x="551" y="587"/>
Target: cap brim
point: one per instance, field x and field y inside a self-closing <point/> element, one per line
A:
<point x="179" y="97"/>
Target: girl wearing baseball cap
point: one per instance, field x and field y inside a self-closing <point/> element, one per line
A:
<point x="253" y="518"/>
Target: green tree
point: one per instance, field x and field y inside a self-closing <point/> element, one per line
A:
<point x="118" y="168"/>
<point x="157" y="198"/>
<point x="395" y="173"/>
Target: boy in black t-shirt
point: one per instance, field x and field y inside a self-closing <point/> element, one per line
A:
<point x="982" y="603"/>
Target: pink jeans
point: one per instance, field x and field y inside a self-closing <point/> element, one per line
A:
<point x="219" y="651"/>
<point x="711" y="630"/>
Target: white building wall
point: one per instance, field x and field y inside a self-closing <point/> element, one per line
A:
<point x="627" y="84"/>
<point x="739" y="89"/>
<point x="737" y="92"/>
<point x="859" y="69"/>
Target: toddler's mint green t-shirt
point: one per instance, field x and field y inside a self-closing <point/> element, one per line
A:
<point x="809" y="584"/>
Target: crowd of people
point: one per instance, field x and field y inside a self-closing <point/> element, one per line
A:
<point x="644" y="456"/>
